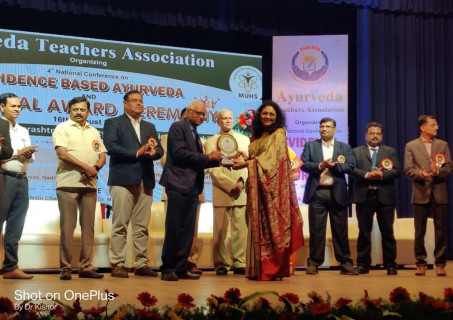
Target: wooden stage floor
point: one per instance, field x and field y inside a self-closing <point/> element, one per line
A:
<point x="377" y="283"/>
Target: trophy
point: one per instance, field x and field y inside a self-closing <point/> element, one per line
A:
<point x="228" y="147"/>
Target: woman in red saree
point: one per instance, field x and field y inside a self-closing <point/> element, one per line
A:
<point x="273" y="215"/>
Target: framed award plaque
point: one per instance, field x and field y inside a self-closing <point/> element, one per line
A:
<point x="228" y="146"/>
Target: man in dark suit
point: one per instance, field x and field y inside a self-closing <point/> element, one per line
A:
<point x="373" y="190"/>
<point x="326" y="192"/>
<point x="5" y="148"/>
<point x="132" y="145"/>
<point x="428" y="163"/>
<point x="183" y="178"/>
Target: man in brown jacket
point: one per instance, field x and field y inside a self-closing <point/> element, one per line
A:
<point x="428" y="163"/>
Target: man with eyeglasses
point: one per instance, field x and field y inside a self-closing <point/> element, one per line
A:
<point x="326" y="192"/>
<point x="14" y="200"/>
<point x="428" y="163"/>
<point x="133" y="146"/>
<point x="183" y="179"/>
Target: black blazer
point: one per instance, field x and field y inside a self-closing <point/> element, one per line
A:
<point x="386" y="186"/>
<point x="7" y="150"/>
<point x="184" y="168"/>
<point x="312" y="156"/>
<point x="122" y="145"/>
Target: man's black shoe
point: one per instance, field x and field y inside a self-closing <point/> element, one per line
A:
<point x="145" y="272"/>
<point x="363" y="269"/>
<point x="188" y="275"/>
<point x="91" y="274"/>
<point x="221" y="271"/>
<point x="239" y="270"/>
<point x="169" y="276"/>
<point x="348" y="269"/>
<point x="392" y="271"/>
<point x="312" y="270"/>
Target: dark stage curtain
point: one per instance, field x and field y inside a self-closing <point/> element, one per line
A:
<point x="405" y="69"/>
<point x="412" y="6"/>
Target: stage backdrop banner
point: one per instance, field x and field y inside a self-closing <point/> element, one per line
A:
<point x="46" y="71"/>
<point x="309" y="82"/>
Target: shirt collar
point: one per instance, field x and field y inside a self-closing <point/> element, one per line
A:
<point x="76" y="124"/>
<point x="370" y="147"/>
<point x="190" y="125"/>
<point x="427" y="141"/>
<point x="331" y="143"/>
<point x="132" y="119"/>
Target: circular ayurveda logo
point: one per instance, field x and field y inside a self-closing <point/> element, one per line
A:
<point x="246" y="83"/>
<point x="310" y="64"/>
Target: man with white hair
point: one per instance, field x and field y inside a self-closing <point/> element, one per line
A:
<point x="229" y="200"/>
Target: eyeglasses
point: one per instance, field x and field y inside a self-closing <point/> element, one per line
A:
<point x="135" y="100"/>
<point x="198" y="113"/>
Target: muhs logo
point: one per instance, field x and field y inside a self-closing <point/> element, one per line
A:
<point x="246" y="83"/>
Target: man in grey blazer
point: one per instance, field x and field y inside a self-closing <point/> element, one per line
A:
<point x="428" y="163"/>
<point x="373" y="190"/>
<point x="132" y="145"/>
<point x="326" y="192"/>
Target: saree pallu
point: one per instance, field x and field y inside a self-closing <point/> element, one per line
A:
<point x="273" y="216"/>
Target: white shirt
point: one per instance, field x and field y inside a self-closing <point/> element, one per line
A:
<point x="19" y="139"/>
<point x="326" y="178"/>
<point x="136" y="125"/>
<point x="371" y="151"/>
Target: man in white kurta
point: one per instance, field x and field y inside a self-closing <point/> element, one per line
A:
<point x="229" y="200"/>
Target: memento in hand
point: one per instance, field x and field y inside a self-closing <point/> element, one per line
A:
<point x="228" y="146"/>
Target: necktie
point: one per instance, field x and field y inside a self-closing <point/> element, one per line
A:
<point x="197" y="140"/>
<point x="373" y="158"/>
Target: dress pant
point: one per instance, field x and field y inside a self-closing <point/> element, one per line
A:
<point x="440" y="217"/>
<point x="69" y="200"/>
<point x="13" y="210"/>
<point x="130" y="204"/>
<point x="323" y="204"/>
<point x="179" y="229"/>
<point x="193" y="256"/>
<point x="233" y="218"/>
<point x="385" y="215"/>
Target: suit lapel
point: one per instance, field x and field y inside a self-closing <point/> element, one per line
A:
<point x="190" y="136"/>
<point x="422" y="149"/>
<point x="366" y="153"/>
<point x="318" y="149"/>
